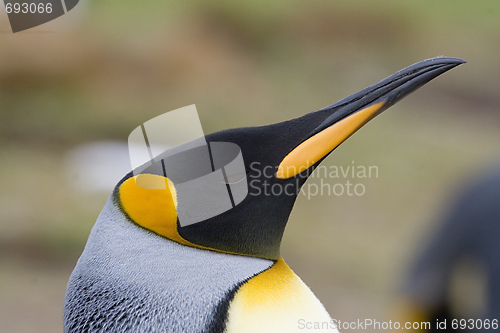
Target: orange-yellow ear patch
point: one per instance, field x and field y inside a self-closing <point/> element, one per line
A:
<point x="151" y="202"/>
<point x="152" y="205"/>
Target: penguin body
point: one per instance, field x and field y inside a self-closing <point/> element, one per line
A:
<point x="170" y="287"/>
<point x="144" y="271"/>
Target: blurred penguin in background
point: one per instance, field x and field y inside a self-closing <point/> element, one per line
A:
<point x="470" y="234"/>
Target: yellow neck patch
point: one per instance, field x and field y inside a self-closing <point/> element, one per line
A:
<point x="152" y="205"/>
<point x="272" y="285"/>
<point x="275" y="300"/>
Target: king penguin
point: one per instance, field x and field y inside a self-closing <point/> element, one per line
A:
<point x="143" y="271"/>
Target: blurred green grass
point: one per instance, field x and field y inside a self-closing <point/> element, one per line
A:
<point x="248" y="63"/>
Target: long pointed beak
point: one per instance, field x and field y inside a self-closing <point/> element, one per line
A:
<point x="351" y="113"/>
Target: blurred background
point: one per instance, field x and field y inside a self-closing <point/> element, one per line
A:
<point x="87" y="80"/>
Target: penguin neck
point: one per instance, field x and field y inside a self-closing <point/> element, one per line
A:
<point x="257" y="234"/>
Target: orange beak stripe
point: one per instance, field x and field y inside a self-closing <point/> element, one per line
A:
<point x="316" y="147"/>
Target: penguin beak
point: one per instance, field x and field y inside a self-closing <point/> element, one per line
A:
<point x="348" y="115"/>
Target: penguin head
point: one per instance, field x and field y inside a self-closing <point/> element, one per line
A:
<point x="277" y="160"/>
